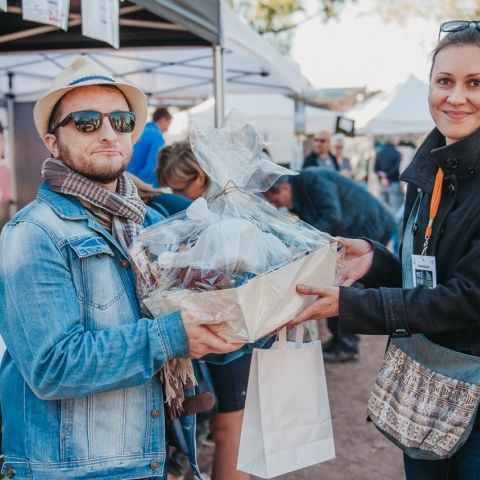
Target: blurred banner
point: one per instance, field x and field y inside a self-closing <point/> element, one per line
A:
<point x="51" y="12"/>
<point x="100" y="21"/>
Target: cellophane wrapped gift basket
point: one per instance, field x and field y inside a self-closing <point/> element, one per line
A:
<point x="232" y="260"/>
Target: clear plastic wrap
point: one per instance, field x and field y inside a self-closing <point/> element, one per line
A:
<point x="232" y="261"/>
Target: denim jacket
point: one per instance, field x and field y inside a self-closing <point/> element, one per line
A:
<point x="78" y="386"/>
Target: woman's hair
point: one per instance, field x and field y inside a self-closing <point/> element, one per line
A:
<point x="178" y="160"/>
<point x="469" y="36"/>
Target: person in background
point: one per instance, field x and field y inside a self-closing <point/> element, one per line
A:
<point x="338" y="145"/>
<point x="179" y="170"/>
<point x="165" y="203"/>
<point x="321" y="155"/>
<point x="168" y="204"/>
<point x="387" y="168"/>
<point x="339" y="206"/>
<point x="143" y="163"/>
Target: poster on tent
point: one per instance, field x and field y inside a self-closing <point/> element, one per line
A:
<point x="51" y="12"/>
<point x="100" y="20"/>
<point x="3" y="5"/>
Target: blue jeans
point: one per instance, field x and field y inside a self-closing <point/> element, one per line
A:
<point x="392" y="196"/>
<point x="346" y="342"/>
<point x="464" y="465"/>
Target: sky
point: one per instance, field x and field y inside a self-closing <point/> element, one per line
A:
<point x="361" y="49"/>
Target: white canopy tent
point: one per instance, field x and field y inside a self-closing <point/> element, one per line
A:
<point x="182" y="49"/>
<point x="182" y="72"/>
<point x="402" y="111"/>
<point x="178" y="67"/>
<point x="272" y="116"/>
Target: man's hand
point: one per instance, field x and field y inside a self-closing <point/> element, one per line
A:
<point x="384" y="182"/>
<point x="201" y="341"/>
<point x="383" y="179"/>
<point x="355" y="260"/>
<point x="325" y="306"/>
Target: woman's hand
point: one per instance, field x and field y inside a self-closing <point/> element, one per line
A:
<point x="355" y="260"/>
<point x="325" y="306"/>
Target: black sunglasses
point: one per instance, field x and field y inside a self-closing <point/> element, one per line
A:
<point x="457" y="26"/>
<point x="87" y="121"/>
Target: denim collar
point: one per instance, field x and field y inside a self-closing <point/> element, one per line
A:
<point x="69" y="208"/>
<point x="65" y="206"/>
<point x="460" y="159"/>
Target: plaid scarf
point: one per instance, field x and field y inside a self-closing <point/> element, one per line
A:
<point x="122" y="213"/>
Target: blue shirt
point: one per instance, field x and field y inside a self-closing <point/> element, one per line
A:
<point x="144" y="159"/>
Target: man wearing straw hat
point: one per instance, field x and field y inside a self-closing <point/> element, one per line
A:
<point x="80" y="391"/>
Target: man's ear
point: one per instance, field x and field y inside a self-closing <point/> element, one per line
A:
<point x="51" y="143"/>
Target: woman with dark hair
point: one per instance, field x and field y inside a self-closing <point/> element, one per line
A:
<point x="427" y="393"/>
<point x="179" y="170"/>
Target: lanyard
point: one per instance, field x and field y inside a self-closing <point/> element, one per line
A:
<point x="434" y="205"/>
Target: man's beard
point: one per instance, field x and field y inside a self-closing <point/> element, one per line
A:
<point x="105" y="178"/>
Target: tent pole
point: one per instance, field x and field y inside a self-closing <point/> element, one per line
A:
<point x="218" y="84"/>
<point x="300" y="117"/>
<point x="300" y="127"/>
<point x="10" y="153"/>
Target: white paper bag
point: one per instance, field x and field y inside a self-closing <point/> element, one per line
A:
<point x="286" y="424"/>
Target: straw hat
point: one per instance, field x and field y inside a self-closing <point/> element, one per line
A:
<point x="80" y="73"/>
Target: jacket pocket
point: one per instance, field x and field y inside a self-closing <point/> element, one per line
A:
<point x="99" y="284"/>
<point x="107" y="425"/>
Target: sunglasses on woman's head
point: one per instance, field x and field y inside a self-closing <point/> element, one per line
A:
<point x="457" y="26"/>
<point x="87" y="121"/>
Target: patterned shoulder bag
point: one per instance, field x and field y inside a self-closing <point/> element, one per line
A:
<point x="426" y="397"/>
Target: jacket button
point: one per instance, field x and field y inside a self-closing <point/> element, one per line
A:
<point x="10" y="472"/>
<point x="415" y="228"/>
<point x="124" y="263"/>
<point x="471" y="171"/>
<point x="155" y="413"/>
<point x="451" y="189"/>
<point x="155" y="465"/>
<point x="452" y="162"/>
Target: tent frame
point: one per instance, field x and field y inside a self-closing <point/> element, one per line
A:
<point x="148" y="15"/>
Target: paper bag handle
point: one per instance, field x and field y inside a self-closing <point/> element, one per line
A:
<point x="282" y="336"/>
<point x="299" y="333"/>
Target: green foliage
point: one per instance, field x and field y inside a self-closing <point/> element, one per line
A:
<point x="440" y="10"/>
<point x="277" y="19"/>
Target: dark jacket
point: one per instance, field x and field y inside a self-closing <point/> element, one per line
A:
<point x="388" y="161"/>
<point x="450" y="313"/>
<point x="311" y="161"/>
<point x="337" y="205"/>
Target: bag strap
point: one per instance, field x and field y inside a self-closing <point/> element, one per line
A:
<point x="282" y="336"/>
<point x="299" y="333"/>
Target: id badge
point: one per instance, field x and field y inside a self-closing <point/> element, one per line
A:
<point x="424" y="271"/>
